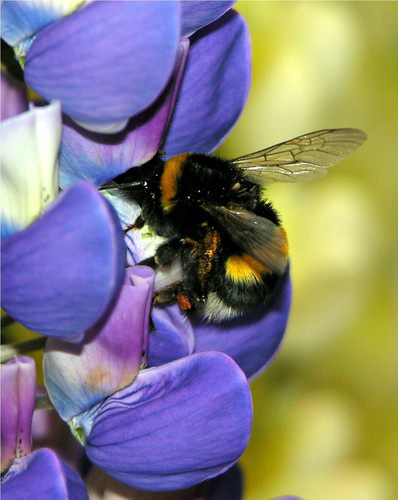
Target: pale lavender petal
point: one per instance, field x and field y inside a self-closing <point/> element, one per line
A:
<point x="18" y="393"/>
<point x="199" y="13"/>
<point x="101" y="157"/>
<point x="43" y="475"/>
<point x="173" y="337"/>
<point x="214" y="88"/>
<point x="127" y="211"/>
<point x="13" y="96"/>
<point x="252" y="340"/>
<point x="107" y="61"/>
<point x="143" y="277"/>
<point x="78" y="376"/>
<point x="60" y="274"/>
<point x="176" y="425"/>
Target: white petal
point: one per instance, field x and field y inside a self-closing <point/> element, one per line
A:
<point x="29" y="163"/>
<point x="104" y="128"/>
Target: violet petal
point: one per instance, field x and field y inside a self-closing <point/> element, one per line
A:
<point x="173" y="336"/>
<point x="18" y="393"/>
<point x="143" y="277"/>
<point x="101" y="157"/>
<point x="176" y="425"/>
<point x="60" y="274"/>
<point x="13" y="96"/>
<point x="253" y="339"/>
<point x="214" y="88"/>
<point x="107" y="61"/>
<point x="198" y="13"/>
<point x="43" y="475"/>
<point x="78" y="376"/>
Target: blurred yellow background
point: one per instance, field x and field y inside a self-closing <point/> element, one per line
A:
<point x="325" y="412"/>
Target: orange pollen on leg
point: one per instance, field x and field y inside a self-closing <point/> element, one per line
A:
<point x="183" y="301"/>
<point x="168" y="183"/>
<point x="244" y="268"/>
<point x="212" y="242"/>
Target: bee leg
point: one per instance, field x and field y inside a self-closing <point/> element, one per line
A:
<point x="167" y="294"/>
<point x="139" y="223"/>
<point x="167" y="253"/>
<point x="171" y="294"/>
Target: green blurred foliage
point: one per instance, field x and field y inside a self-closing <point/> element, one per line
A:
<point x="325" y="413"/>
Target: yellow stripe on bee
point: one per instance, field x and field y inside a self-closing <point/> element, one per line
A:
<point x="168" y="183"/>
<point x="244" y="268"/>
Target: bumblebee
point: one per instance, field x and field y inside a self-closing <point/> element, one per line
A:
<point x="222" y="233"/>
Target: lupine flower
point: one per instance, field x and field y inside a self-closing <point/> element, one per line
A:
<point x="194" y="113"/>
<point x="123" y="64"/>
<point x="170" y="409"/>
<point x="61" y="270"/>
<point x="161" y="428"/>
<point x="42" y="471"/>
<point x="99" y="157"/>
<point x="226" y="486"/>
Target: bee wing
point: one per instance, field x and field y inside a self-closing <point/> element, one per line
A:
<point x="259" y="237"/>
<point x="301" y="159"/>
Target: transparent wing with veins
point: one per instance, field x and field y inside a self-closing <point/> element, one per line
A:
<point x="300" y="159"/>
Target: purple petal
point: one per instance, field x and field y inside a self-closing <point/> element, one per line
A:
<point x="252" y="340"/>
<point x="43" y="475"/>
<point x="101" y="157"/>
<point x="78" y="376"/>
<point x="18" y="393"/>
<point x="173" y="336"/>
<point x="199" y="13"/>
<point x="60" y="274"/>
<point x="176" y="425"/>
<point x="214" y="88"/>
<point x="107" y="61"/>
<point x="13" y="96"/>
<point x="143" y="277"/>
